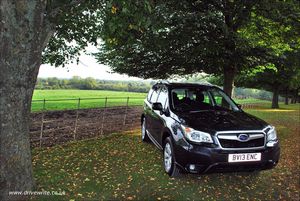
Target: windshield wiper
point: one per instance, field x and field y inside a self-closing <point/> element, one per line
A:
<point x="196" y="111"/>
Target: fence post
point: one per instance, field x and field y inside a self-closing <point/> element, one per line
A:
<point x="103" y="116"/>
<point x="76" y="121"/>
<point x="42" y="123"/>
<point x="126" y="109"/>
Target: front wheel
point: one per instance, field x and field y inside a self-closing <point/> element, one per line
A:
<point x="169" y="160"/>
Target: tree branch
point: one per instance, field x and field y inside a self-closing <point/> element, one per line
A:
<point x="55" y="7"/>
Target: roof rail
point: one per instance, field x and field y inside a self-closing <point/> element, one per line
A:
<point x="163" y="82"/>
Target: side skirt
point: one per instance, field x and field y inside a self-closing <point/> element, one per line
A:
<point x="154" y="141"/>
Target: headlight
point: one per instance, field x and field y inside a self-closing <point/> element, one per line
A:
<point x="196" y="136"/>
<point x="272" y="135"/>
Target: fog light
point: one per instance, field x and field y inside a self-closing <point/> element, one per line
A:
<point x="192" y="167"/>
<point x="271" y="143"/>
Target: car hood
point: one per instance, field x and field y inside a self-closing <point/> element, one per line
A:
<point x="213" y="121"/>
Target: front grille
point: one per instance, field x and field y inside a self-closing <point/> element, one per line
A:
<point x="237" y="144"/>
<point x="231" y="141"/>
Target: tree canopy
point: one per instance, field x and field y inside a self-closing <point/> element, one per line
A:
<point x="277" y="28"/>
<point x="185" y="37"/>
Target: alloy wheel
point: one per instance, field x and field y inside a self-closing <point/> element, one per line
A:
<point x="168" y="157"/>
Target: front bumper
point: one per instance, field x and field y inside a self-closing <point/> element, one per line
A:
<point x="214" y="159"/>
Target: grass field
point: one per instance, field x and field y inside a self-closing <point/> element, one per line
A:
<point x="121" y="167"/>
<point x="54" y="99"/>
<point x="252" y="101"/>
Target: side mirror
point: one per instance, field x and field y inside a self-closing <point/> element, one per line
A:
<point x="157" y="106"/>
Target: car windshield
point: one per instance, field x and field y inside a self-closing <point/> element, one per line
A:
<point x="198" y="99"/>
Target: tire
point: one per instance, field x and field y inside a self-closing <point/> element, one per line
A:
<point x="145" y="137"/>
<point x="169" y="159"/>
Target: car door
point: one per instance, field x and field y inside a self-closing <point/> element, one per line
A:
<point x="151" y="114"/>
<point x="147" y="109"/>
<point x="158" y="120"/>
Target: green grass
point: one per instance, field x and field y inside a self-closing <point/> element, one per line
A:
<point x="121" y="167"/>
<point x="115" y="98"/>
<point x="251" y="101"/>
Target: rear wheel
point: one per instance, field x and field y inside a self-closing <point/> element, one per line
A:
<point x="145" y="137"/>
<point x="169" y="160"/>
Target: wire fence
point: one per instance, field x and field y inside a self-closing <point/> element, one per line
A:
<point x="84" y="118"/>
<point x="84" y="103"/>
<point x="55" y="122"/>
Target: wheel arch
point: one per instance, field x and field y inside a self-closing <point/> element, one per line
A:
<point x="142" y="118"/>
<point x="165" y="133"/>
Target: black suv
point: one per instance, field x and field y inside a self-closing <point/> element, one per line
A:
<point x="200" y="129"/>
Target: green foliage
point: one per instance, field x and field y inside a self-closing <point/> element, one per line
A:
<point x="275" y="26"/>
<point x="285" y="74"/>
<point x="89" y="83"/>
<point x="157" y="39"/>
<point x="77" y="24"/>
<point x="180" y="37"/>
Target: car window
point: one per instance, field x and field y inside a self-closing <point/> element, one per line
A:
<point x="190" y="99"/>
<point x="180" y="93"/>
<point x="201" y="96"/>
<point x="154" y="95"/>
<point x="149" y="95"/>
<point x="222" y="101"/>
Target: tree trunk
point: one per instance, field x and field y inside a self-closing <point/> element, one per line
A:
<point x="275" y="97"/>
<point x="294" y="96"/>
<point x="286" y="102"/>
<point x="229" y="74"/>
<point x="23" y="36"/>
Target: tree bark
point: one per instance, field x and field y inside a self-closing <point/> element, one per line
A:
<point x="230" y="48"/>
<point x="229" y="74"/>
<point x="275" y="96"/>
<point x="23" y="36"/>
<point x="286" y="101"/>
<point x="294" y="96"/>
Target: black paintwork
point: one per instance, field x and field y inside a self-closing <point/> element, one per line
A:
<point x="214" y="120"/>
<point x="164" y="122"/>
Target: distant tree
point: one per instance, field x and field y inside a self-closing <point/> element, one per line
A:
<point x="76" y="82"/>
<point x="293" y="88"/>
<point x="284" y="75"/>
<point x="89" y="83"/>
<point x="53" y="81"/>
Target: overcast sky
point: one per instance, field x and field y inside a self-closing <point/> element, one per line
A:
<point x="87" y="67"/>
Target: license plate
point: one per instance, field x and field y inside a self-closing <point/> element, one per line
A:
<point x="233" y="158"/>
